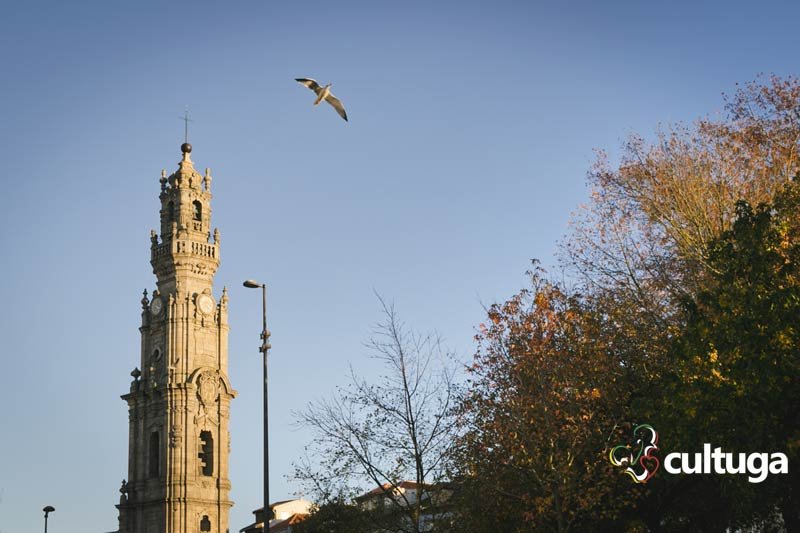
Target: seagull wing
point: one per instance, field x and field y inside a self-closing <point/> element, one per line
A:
<point x="337" y="105"/>
<point x="311" y="84"/>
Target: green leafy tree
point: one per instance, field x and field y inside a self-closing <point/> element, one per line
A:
<point x="738" y="361"/>
<point x="336" y="516"/>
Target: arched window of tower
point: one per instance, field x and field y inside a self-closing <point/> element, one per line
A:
<point x="206" y="454"/>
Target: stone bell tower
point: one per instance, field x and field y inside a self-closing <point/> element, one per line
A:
<point x="179" y="402"/>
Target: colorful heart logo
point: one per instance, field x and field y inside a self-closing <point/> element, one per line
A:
<point x="641" y="465"/>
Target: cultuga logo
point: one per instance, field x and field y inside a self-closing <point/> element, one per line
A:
<point x="641" y="465"/>
<point x="756" y="465"/>
<point x="637" y="458"/>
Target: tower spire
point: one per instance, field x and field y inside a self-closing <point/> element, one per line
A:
<point x="185" y="255"/>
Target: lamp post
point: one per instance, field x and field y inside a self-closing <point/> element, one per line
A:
<point x="47" y="510"/>
<point x="264" y="349"/>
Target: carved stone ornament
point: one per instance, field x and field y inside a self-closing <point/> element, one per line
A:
<point x="175" y="436"/>
<point x="207" y="393"/>
<point x="207" y="388"/>
<point x="198" y="268"/>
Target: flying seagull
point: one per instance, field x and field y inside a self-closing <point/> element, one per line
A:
<point x="323" y="93"/>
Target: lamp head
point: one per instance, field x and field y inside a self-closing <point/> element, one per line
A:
<point x="252" y="284"/>
<point x="49" y="509"/>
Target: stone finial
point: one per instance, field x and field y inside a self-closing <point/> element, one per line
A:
<point x="136" y="373"/>
<point x="153" y="237"/>
<point x="207" y="179"/>
<point x="145" y="301"/>
<point x="216" y="236"/>
<point x="123" y="493"/>
<point x="163" y="180"/>
<point x="224" y="299"/>
<point x="186" y="149"/>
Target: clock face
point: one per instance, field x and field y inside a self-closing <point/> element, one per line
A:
<point x="155" y="306"/>
<point x="205" y="303"/>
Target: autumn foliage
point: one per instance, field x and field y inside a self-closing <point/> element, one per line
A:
<point x="545" y="404"/>
<point x="683" y="312"/>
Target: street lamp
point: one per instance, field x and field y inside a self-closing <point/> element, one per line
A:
<point x="265" y="346"/>
<point x="47" y="510"/>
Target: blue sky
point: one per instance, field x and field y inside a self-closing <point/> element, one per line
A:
<point x="472" y="125"/>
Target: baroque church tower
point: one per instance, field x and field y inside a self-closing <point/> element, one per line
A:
<point x="179" y="402"/>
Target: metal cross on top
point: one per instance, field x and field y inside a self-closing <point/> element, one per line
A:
<point x="186" y="120"/>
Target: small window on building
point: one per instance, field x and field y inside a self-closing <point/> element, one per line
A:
<point x="155" y="446"/>
<point x="206" y="453"/>
<point x="205" y="524"/>
<point x="197" y="209"/>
